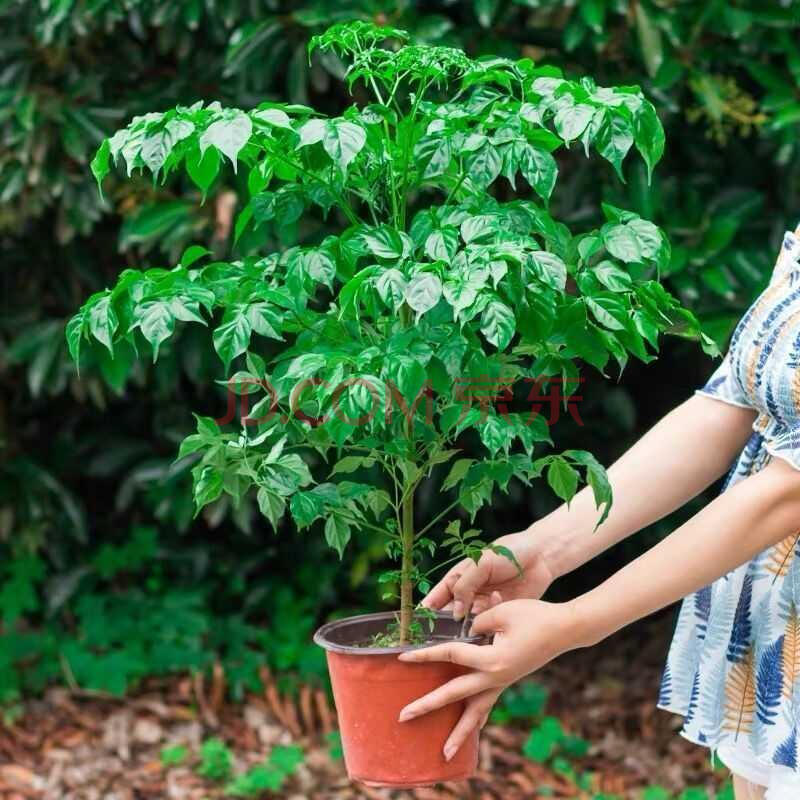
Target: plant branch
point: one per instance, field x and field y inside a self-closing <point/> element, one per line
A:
<point x="341" y="201"/>
<point x="447" y="510"/>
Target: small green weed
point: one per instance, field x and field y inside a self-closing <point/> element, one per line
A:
<point x="216" y="760"/>
<point x="268" y="777"/>
<point x="173" y="756"/>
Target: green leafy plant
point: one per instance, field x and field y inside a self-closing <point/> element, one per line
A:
<point x="357" y="350"/>
<point x="334" y="740"/>
<point x="174" y="755"/>
<point x="549" y="739"/>
<point x="216" y="760"/>
<point x="267" y="777"/>
<point x="525" y="701"/>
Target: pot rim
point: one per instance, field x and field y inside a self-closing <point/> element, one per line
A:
<point x="321" y="636"/>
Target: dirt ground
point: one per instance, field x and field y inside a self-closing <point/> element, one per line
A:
<point x="79" y="746"/>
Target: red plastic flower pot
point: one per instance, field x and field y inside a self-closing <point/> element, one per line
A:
<point x="370" y="687"/>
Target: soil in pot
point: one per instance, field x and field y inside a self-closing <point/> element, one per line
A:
<point x="370" y="687"/>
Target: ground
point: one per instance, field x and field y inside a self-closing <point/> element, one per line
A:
<point x="76" y="746"/>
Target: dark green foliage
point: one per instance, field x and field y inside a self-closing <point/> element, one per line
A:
<point x="724" y="79"/>
<point x="133" y="612"/>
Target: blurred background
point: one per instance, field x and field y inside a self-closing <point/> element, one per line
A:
<point x="105" y="577"/>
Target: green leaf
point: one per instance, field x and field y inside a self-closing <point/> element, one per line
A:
<point x="604" y="310"/>
<point x="549" y="268"/>
<point x="613" y="277"/>
<point x="203" y="167"/>
<point x="650" y="43"/>
<point x="192" y="254"/>
<point x="232" y="338"/>
<point x="343" y="141"/>
<point x="286" y="757"/>
<point x="385" y="242"/>
<point x="483" y="166"/>
<point x="103" y="322"/>
<point x="319" y="266"/>
<point x="479" y="226"/>
<point x="99" y="165"/>
<point x="423" y="292"/>
<point x="621" y="241"/>
<point x="648" y="236"/>
<point x="350" y="464"/>
<point x="538" y="746"/>
<point x="593" y="13"/>
<point x="174" y="755"/>
<point x="656" y="793"/>
<point x="228" y="135"/>
<point x="457" y="473"/>
<point x="496" y="433"/>
<point x="409" y="376"/>
<point x="156" y="321"/>
<point x="271" y="505"/>
<point x="337" y="533"/>
<point x="648" y="134"/>
<point x="441" y="245"/>
<point x="614" y="140"/>
<point x="597" y="479"/>
<point x="502" y="550"/>
<point x="311" y="132"/>
<point x="305" y="366"/>
<point x="485" y="11"/>
<point x="571" y="121"/>
<point x="435" y="153"/>
<point x="498" y="324"/>
<point x="348" y="294"/>
<point x="540" y="170"/>
<point x="74" y="334"/>
<point x="207" y="486"/>
<point x="306" y="507"/>
<point x="274" y="116"/>
<point x="562" y="478"/>
<point x="391" y="287"/>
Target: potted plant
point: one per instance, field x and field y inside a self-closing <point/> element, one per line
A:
<point x="367" y="355"/>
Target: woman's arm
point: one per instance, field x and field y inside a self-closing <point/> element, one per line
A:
<point x="754" y="514"/>
<point x="751" y="516"/>
<point x="680" y="456"/>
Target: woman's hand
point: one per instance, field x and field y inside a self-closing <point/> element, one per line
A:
<point x="527" y="634"/>
<point x="495" y="578"/>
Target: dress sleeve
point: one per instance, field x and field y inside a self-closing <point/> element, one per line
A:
<point x="724" y="385"/>
<point x="789" y="255"/>
<point x="786" y="446"/>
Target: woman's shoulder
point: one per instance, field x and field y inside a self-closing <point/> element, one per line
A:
<point x="789" y="256"/>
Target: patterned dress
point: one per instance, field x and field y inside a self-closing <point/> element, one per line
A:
<point x="733" y="670"/>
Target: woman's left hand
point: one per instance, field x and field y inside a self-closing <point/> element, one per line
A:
<point x="527" y="634"/>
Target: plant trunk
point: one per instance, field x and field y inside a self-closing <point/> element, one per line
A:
<point x="406" y="570"/>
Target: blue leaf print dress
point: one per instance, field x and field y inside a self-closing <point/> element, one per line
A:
<point x="733" y="670"/>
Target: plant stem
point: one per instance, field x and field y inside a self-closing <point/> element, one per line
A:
<point x="407" y="568"/>
<point x="341" y="200"/>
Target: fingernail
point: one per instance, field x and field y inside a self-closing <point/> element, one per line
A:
<point x="449" y="751"/>
<point x="405" y="715"/>
<point x="458" y="609"/>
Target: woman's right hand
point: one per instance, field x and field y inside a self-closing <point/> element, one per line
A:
<point x="495" y="578"/>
